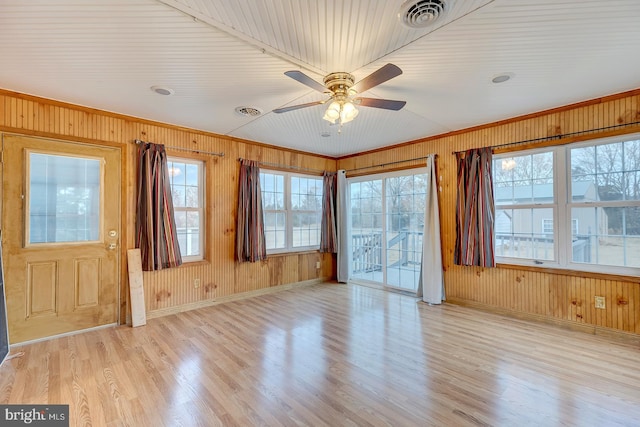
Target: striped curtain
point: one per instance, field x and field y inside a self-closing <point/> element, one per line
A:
<point x="250" y="242"/>
<point x="475" y="212"/>
<point x="328" y="226"/>
<point x="155" y="223"/>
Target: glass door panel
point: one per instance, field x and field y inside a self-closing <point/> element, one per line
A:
<point x="366" y="230"/>
<point x="405" y="202"/>
<point x="387" y="222"/>
<point x="64" y="198"/>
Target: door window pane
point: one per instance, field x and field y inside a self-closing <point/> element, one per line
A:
<point x="64" y="199"/>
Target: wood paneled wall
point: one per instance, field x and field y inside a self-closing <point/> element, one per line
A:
<point x="553" y="295"/>
<point x="220" y="276"/>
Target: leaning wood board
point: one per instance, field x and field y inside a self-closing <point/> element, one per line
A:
<point x="138" y="314"/>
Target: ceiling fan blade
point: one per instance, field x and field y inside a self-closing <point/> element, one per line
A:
<point x="297" y="107"/>
<point x="387" y="104"/>
<point x="306" y="80"/>
<point x="383" y="74"/>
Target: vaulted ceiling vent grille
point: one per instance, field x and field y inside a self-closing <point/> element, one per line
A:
<point x="421" y="13"/>
<point x="248" y="111"/>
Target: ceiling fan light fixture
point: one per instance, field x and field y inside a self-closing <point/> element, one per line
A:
<point x="333" y="112"/>
<point x="348" y="112"/>
<point x="340" y="111"/>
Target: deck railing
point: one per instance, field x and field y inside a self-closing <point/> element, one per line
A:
<point x="367" y="250"/>
<point x="540" y="246"/>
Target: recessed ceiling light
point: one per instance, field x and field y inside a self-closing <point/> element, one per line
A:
<point x="162" y="90"/>
<point x="501" y="78"/>
<point x="248" y="111"/>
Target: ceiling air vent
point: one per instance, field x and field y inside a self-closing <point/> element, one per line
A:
<point x="421" y="13"/>
<point x="248" y="111"/>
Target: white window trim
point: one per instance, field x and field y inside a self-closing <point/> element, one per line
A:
<point x="562" y="209"/>
<point x="200" y="208"/>
<point x="288" y="212"/>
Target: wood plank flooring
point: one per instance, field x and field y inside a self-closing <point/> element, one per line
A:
<point x="332" y="355"/>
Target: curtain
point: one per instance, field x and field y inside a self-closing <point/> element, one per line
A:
<point x="431" y="282"/>
<point x="250" y="242"/>
<point x="475" y="212"/>
<point x="328" y="227"/>
<point x="343" y="228"/>
<point x="155" y="223"/>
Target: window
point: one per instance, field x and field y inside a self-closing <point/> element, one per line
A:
<point x="292" y="208"/>
<point x="574" y="206"/>
<point x="187" y="190"/>
<point x="547" y="226"/>
<point x="525" y="206"/>
<point x="64" y="197"/>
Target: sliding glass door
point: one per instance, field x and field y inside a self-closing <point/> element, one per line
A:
<point x="387" y="222"/>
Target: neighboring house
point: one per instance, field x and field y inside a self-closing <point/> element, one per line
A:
<point x="540" y="221"/>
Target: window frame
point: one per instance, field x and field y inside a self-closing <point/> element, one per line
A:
<point x="201" y="209"/>
<point x="564" y="203"/>
<point x="289" y="212"/>
<point x="386" y="216"/>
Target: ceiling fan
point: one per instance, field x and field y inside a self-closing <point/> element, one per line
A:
<point x="343" y="93"/>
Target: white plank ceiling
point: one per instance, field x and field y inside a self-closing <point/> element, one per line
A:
<point x="217" y="55"/>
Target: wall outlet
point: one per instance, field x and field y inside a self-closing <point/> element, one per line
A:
<point x="600" y="302"/>
<point x="196" y="283"/>
<point x="318" y="264"/>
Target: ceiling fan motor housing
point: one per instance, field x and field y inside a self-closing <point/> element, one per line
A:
<point x="340" y="84"/>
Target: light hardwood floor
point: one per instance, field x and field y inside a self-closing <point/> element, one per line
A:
<point x="332" y="355"/>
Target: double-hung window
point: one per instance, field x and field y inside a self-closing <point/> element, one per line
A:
<point x="187" y="189"/>
<point x="292" y="208"/>
<point x="573" y="206"/>
<point x="526" y="206"/>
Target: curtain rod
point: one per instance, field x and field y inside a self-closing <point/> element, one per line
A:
<point x="277" y="165"/>
<point x="563" y="135"/>
<point x="211" y="153"/>
<point x="390" y="163"/>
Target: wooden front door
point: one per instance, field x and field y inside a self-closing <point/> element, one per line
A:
<point x="61" y="232"/>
